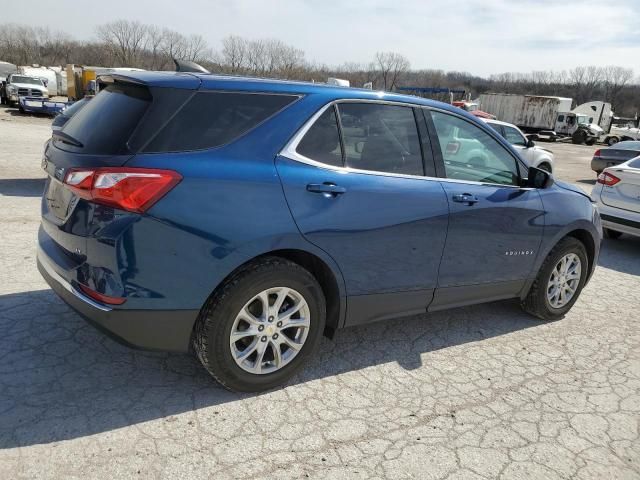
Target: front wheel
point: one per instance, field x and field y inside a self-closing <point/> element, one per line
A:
<point x="611" y="141"/>
<point x="559" y="281"/>
<point x="260" y="327"/>
<point x="590" y="141"/>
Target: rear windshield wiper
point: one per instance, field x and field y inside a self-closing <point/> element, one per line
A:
<point x="66" y="138"/>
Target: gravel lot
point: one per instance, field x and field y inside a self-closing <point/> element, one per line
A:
<point x="482" y="392"/>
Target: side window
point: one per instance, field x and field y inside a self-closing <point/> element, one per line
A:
<point x="381" y="138"/>
<point x="471" y="154"/>
<point x="322" y="141"/>
<point x="514" y="137"/>
<point x="212" y="119"/>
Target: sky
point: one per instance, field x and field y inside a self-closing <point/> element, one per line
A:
<point x="478" y="36"/>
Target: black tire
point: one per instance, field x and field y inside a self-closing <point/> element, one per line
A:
<point x="612" y="141"/>
<point x="536" y="302"/>
<point x="545" y="166"/>
<point x="578" y="137"/>
<point x="213" y="328"/>
<point x="590" y="141"/>
<point x="612" y="234"/>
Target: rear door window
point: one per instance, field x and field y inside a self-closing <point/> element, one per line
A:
<point x="381" y="138"/>
<point x="213" y="119"/>
<point x="322" y="141"/>
<point x="105" y="124"/>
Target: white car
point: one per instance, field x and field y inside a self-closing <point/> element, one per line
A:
<point x="617" y="193"/>
<point x="535" y="156"/>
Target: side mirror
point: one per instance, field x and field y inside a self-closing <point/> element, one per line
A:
<point x="538" y="178"/>
<point x="359" y="146"/>
<point x="530" y="143"/>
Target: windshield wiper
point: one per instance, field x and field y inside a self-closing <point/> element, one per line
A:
<point x="66" y="138"/>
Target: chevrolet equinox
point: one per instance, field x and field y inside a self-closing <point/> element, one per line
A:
<point x="242" y="218"/>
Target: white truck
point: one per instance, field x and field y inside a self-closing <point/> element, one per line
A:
<point x="549" y="117"/>
<point x="22" y="86"/>
<point x="601" y="114"/>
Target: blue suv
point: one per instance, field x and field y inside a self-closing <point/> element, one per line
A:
<point x="243" y="218"/>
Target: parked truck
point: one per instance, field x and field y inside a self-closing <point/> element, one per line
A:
<point x="614" y="130"/>
<point x="549" y="117"/>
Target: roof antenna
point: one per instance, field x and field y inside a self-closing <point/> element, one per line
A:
<point x="187" y="66"/>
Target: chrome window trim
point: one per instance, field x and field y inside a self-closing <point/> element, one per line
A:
<point x="289" y="151"/>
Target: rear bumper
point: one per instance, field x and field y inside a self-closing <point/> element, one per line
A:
<point x="166" y="330"/>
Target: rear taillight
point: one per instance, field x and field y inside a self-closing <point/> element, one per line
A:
<point x="596" y="153"/>
<point x="132" y="189"/>
<point x="607" y="179"/>
<point x="100" y="297"/>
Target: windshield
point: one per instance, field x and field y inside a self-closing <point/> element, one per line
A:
<point x="583" y="120"/>
<point x="29" y="80"/>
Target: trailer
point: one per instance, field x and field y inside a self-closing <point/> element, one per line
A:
<point x="549" y="117"/>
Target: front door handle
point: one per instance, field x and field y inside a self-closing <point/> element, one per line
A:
<point x="465" y="198"/>
<point x="327" y="188"/>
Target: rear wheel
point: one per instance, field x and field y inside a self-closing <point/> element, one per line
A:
<point x="559" y="281"/>
<point x="613" y="234"/>
<point x="612" y="141"/>
<point x="257" y="330"/>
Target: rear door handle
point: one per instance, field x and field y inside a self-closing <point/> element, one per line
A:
<point x="465" y="198"/>
<point x="327" y="188"/>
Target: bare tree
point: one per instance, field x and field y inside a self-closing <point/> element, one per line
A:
<point x="615" y="79"/>
<point x="585" y="81"/>
<point x="196" y="48"/>
<point x="125" y="39"/>
<point x="391" y="66"/>
<point x="234" y="53"/>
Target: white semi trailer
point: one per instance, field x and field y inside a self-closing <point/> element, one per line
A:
<point x="551" y="117"/>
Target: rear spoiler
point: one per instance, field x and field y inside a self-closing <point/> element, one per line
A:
<point x="151" y="79"/>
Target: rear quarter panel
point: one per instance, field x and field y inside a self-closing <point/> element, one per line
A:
<point x="228" y="209"/>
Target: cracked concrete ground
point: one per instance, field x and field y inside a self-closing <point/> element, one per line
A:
<point x="474" y="393"/>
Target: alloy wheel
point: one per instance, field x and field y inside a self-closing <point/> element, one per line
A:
<point x="564" y="280"/>
<point x="270" y="330"/>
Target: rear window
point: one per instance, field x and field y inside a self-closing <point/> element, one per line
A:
<point x="212" y="119"/>
<point x="627" y="145"/>
<point x="105" y="124"/>
<point x="635" y="163"/>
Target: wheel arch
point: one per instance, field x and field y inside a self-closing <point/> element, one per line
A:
<point x="587" y="240"/>
<point x="581" y="233"/>
<point x="547" y="162"/>
<point x="325" y="271"/>
<point x="326" y="277"/>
